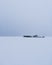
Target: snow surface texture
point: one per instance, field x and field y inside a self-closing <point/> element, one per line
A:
<point x="25" y="51"/>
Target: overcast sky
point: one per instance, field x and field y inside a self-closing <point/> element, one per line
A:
<point x="18" y="17"/>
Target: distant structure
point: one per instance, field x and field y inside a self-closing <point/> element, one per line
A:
<point x="34" y="36"/>
<point x="28" y="36"/>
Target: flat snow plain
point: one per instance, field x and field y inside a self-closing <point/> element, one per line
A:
<point x="25" y="51"/>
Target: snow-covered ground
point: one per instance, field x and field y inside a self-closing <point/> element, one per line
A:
<point x="25" y="51"/>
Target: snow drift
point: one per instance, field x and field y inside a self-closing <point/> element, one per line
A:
<point x="25" y="51"/>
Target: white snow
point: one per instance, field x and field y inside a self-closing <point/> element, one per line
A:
<point x="25" y="51"/>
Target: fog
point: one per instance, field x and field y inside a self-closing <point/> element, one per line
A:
<point x="18" y="17"/>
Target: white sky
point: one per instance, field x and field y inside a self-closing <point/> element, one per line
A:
<point x="18" y="17"/>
